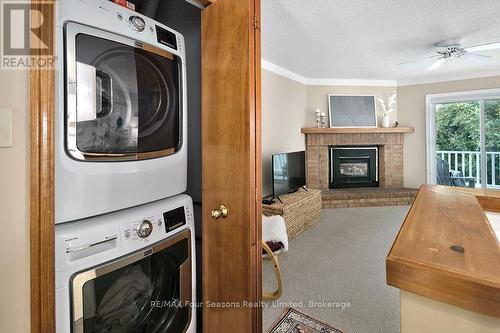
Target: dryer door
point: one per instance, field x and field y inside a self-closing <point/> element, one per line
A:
<point x="148" y="291"/>
<point x="123" y="97"/>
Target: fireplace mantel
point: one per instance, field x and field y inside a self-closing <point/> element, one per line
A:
<point x="356" y="130"/>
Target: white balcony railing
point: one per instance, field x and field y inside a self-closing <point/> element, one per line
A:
<point x="469" y="162"/>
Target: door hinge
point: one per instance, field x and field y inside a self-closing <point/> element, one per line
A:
<point x="256" y="23"/>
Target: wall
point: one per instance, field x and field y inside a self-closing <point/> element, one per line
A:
<point x="14" y="211"/>
<point x="411" y="112"/>
<point x="284" y="104"/>
<point x="317" y="97"/>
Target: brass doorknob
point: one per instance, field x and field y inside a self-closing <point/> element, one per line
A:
<point x="221" y="212"/>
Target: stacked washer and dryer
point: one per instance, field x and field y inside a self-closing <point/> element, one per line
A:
<point x="124" y="235"/>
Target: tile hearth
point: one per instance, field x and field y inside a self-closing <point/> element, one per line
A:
<point x="367" y="197"/>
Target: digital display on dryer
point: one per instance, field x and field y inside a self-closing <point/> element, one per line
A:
<point x="166" y="37"/>
<point x="174" y="219"/>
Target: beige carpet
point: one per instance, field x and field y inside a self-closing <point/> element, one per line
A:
<point x="339" y="263"/>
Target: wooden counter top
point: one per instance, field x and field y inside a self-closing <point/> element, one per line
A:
<point x="423" y="262"/>
<point x="355" y="130"/>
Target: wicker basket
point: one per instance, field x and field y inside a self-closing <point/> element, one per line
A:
<point x="300" y="210"/>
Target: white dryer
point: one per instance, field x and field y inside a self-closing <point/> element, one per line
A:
<point x="121" y="132"/>
<point x="128" y="271"/>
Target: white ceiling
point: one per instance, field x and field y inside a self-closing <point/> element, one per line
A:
<point x="367" y="39"/>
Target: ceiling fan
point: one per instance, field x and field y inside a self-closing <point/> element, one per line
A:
<point x="448" y="50"/>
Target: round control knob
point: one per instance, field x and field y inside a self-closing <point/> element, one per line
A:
<point x="137" y="23"/>
<point x="144" y="229"/>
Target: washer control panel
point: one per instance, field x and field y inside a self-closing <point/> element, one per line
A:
<point x="101" y="238"/>
<point x="155" y="223"/>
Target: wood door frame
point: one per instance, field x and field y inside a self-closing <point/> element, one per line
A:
<point x="258" y="156"/>
<point x="42" y="116"/>
<point x="41" y="173"/>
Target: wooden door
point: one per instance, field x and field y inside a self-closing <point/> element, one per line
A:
<point x="231" y="166"/>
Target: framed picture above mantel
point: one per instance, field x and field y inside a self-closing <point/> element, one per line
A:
<point x="350" y="110"/>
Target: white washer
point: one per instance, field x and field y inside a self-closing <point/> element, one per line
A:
<point x="128" y="271"/>
<point x="121" y="123"/>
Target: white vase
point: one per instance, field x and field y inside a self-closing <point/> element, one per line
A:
<point x="385" y="121"/>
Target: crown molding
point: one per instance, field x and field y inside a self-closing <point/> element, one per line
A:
<point x="370" y="82"/>
<point x="352" y="82"/>
<point x="448" y="78"/>
<point x="325" y="82"/>
<point x="268" y="66"/>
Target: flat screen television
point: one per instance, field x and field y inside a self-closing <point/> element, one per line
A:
<point x="289" y="172"/>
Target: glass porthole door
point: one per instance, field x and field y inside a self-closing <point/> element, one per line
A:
<point x="148" y="291"/>
<point x="123" y="97"/>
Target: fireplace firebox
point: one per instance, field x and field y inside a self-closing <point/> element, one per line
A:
<point x="353" y="167"/>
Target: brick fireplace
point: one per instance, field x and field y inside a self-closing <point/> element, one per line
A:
<point x="389" y="142"/>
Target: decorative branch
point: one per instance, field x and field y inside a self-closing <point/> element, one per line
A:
<point x="388" y="103"/>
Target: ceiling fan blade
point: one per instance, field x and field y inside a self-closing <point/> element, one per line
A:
<point x="478" y="55"/>
<point x="438" y="63"/>
<point x="477" y="59"/>
<point x="421" y="59"/>
<point x="483" y="47"/>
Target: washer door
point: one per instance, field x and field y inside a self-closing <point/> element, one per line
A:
<point x="149" y="291"/>
<point x="123" y="97"/>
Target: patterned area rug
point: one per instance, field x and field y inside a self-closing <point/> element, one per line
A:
<point x="294" y="321"/>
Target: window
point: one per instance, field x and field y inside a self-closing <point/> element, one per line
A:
<point x="463" y="139"/>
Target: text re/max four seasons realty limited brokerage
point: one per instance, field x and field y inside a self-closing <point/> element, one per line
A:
<point x="247" y="304"/>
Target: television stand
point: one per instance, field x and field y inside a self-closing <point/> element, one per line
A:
<point x="268" y="201"/>
<point x="300" y="210"/>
